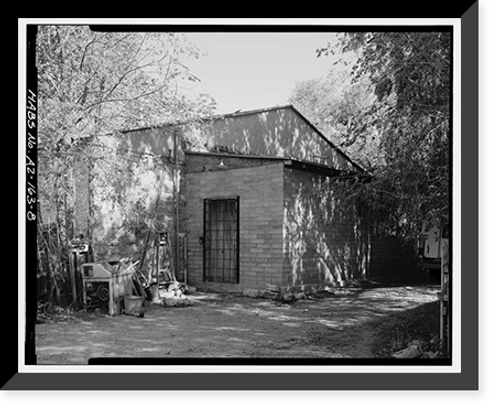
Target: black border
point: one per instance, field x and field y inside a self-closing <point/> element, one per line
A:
<point x="254" y="28"/>
<point x="229" y="361"/>
<point x="31" y="182"/>
<point x="467" y="379"/>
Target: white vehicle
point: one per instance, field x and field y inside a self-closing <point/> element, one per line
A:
<point x="430" y="252"/>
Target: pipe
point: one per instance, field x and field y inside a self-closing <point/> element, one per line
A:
<point x="176" y="201"/>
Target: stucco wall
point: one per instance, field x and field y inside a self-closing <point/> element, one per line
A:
<point x="127" y="189"/>
<point x="280" y="132"/>
<point x="260" y="190"/>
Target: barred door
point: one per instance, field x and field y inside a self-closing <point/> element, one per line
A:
<point x="221" y="240"/>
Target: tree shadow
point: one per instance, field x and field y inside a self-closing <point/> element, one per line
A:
<point x="379" y="333"/>
<point x="397" y="330"/>
<point x="330" y="240"/>
<point x="324" y="241"/>
<point x="280" y="131"/>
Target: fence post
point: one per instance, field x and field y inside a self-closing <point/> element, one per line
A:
<point x="445" y="289"/>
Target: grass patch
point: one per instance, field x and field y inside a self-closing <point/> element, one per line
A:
<point x="398" y="330"/>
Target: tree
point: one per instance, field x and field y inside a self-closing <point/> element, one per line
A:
<point x="341" y="109"/>
<point x="411" y="77"/>
<point x="95" y="83"/>
<point x="91" y="82"/>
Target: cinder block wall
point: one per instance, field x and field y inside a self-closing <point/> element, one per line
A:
<point x="322" y="246"/>
<point x="261" y="223"/>
<point x="326" y="243"/>
<point x="205" y="163"/>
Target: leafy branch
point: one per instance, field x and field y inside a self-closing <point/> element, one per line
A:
<point x="398" y="127"/>
<point x="90" y="85"/>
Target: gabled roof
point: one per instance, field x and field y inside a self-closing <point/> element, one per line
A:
<point x="281" y="107"/>
<point x="254" y="112"/>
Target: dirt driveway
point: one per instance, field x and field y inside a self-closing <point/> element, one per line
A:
<point x="337" y="324"/>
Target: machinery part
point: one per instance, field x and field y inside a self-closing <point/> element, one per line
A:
<point x="103" y="292"/>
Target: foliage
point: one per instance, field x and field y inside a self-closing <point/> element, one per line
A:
<point x="341" y="109"/>
<point x="91" y="82"/>
<point x="96" y="83"/>
<point x="410" y="75"/>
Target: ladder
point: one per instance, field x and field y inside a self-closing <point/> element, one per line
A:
<point x="164" y="265"/>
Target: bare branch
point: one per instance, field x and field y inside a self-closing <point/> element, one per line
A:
<point x="91" y="42"/>
<point x="140" y="96"/>
<point x="122" y="77"/>
<point x="126" y="36"/>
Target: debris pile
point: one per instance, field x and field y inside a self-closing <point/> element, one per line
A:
<point x="47" y="313"/>
<point x="173" y="294"/>
<point x="269" y="292"/>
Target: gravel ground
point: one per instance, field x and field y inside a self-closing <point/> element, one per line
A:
<point x="366" y="322"/>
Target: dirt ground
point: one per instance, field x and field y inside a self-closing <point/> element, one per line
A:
<point x="335" y="324"/>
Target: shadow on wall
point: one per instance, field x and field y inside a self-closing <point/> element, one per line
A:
<point x="279" y="132"/>
<point x="132" y="192"/>
<point x="325" y="241"/>
<point x="157" y="141"/>
<point x="330" y="240"/>
<point x="122" y="226"/>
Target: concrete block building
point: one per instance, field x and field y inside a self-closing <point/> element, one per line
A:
<point x="248" y="192"/>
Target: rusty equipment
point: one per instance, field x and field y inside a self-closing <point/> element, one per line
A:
<point x="106" y="284"/>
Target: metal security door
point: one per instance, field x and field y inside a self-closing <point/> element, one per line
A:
<point x="221" y="240"/>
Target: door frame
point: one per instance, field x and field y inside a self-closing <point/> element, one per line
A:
<point x="236" y="199"/>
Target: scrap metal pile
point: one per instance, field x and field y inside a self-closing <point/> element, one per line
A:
<point x="120" y="286"/>
<point x="162" y="284"/>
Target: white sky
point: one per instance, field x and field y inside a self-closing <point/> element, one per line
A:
<point x="255" y="70"/>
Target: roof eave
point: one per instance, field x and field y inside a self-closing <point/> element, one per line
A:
<point x="313" y="168"/>
<point x="333" y="146"/>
